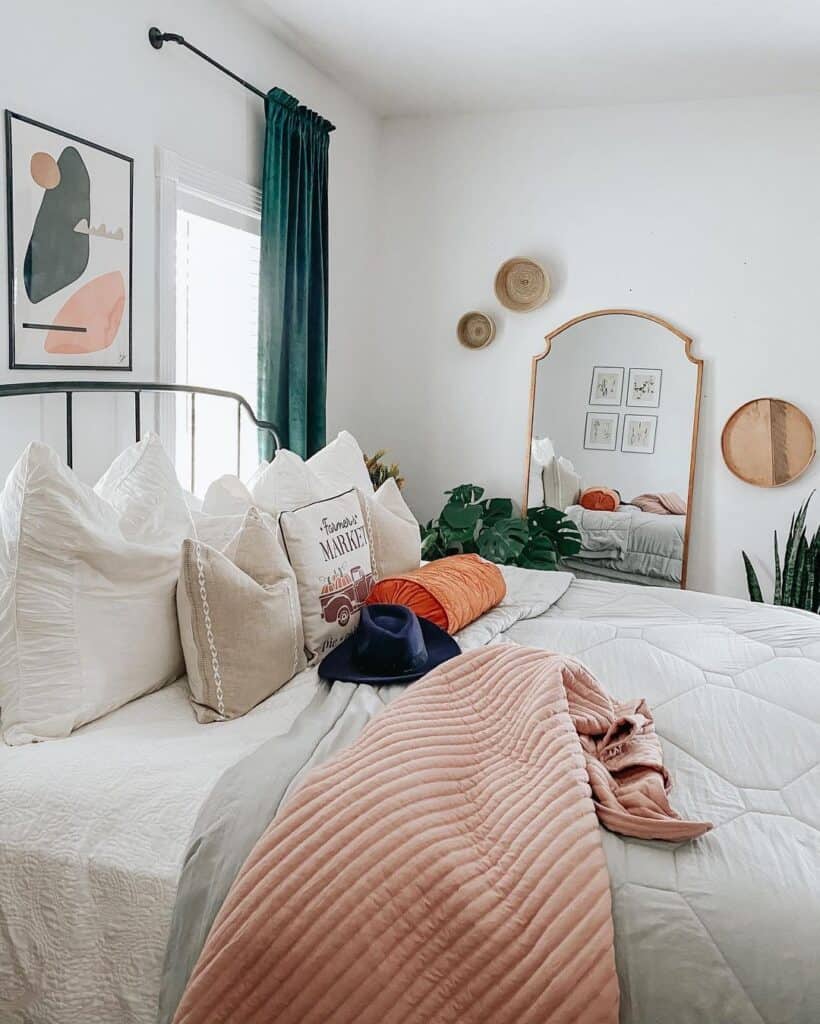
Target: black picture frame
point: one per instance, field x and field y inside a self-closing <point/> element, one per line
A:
<point x="128" y="367"/>
<point x="639" y="416"/>
<point x="607" y="405"/>
<point x="616" y="416"/>
<point x="643" y="369"/>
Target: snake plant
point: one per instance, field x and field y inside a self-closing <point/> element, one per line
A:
<point x="797" y="579"/>
<point x="490" y="527"/>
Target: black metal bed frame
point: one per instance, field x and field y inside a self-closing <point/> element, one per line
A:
<point x="71" y="387"/>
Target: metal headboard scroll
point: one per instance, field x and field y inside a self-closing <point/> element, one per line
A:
<point x="71" y="387"/>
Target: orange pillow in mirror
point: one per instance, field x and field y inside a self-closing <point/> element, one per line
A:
<point x="450" y="592"/>
<point x="600" y="499"/>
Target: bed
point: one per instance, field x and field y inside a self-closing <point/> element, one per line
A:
<point x="630" y="546"/>
<point x="96" y="829"/>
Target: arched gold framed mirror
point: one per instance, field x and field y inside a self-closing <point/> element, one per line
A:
<point x="612" y="441"/>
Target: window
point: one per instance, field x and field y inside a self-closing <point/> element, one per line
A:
<point x="209" y="302"/>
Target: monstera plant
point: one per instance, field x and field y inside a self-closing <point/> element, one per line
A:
<point x="797" y="578"/>
<point x="491" y="527"/>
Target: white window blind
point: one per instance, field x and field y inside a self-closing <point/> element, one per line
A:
<point x="208" y="316"/>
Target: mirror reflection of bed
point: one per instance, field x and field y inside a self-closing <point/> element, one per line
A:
<point x="613" y="430"/>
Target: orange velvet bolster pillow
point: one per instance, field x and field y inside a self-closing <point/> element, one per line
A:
<point x="451" y="592"/>
<point x="601" y="499"/>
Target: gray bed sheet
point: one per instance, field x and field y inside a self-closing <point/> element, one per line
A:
<point x="629" y="542"/>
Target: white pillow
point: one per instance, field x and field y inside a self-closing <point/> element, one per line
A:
<point x="341" y="464"/>
<point x="87" y="588"/>
<point x="289" y="482"/>
<point x="395" y="539"/>
<point x="327" y="544"/>
<point x="223" y="511"/>
<point x="226" y="496"/>
<point x="553" y="480"/>
<point x="562" y="485"/>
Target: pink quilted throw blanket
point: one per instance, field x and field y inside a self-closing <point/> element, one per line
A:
<point x="662" y="503"/>
<point x="447" y="867"/>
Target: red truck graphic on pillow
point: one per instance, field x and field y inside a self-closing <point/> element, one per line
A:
<point x="343" y="595"/>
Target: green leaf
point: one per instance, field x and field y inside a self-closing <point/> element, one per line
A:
<point x="539" y="553"/>
<point x="801" y="572"/>
<point x="432" y="546"/>
<point x="497" y="508"/>
<point x="560" y="529"/>
<point x="797" y="533"/>
<point x="503" y="541"/>
<point x="544" y="515"/>
<point x="755" y="593"/>
<point x="814" y="575"/>
<point x="464" y="494"/>
<point x="461" y="517"/>
<point x="778" y="575"/>
<point x="453" y="540"/>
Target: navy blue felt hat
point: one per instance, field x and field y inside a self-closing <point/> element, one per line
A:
<point x="391" y="644"/>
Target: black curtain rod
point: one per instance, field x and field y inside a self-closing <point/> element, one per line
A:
<point x="157" y="38"/>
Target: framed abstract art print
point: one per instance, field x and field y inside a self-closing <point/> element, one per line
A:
<point x="70" y="251"/>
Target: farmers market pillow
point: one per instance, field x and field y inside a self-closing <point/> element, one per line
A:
<point x="327" y="544"/>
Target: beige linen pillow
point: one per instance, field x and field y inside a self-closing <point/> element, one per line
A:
<point x="239" y="621"/>
<point x="328" y="547"/>
<point x="395" y="539"/>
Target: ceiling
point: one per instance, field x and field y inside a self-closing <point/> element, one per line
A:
<point x="435" y="56"/>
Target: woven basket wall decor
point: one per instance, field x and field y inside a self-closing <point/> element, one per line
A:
<point x="522" y="284"/>
<point x="475" y="329"/>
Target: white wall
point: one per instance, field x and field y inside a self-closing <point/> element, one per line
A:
<point x="705" y="213"/>
<point x="87" y="68"/>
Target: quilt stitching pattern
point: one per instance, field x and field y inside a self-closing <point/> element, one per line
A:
<point x="719" y="750"/>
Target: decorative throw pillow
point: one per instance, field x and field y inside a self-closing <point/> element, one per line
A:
<point x="327" y="544"/>
<point x="223" y="511"/>
<point x="227" y="495"/>
<point x="451" y="592"/>
<point x="239" y="621"/>
<point x="562" y="484"/>
<point x="553" y="480"/>
<point x="395" y="539"/>
<point x="87" y="581"/>
<point x="600" y="499"/>
<point x="289" y="482"/>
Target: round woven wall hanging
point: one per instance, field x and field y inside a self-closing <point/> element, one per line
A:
<point x="768" y="442"/>
<point x="522" y="284"/>
<point x="475" y="330"/>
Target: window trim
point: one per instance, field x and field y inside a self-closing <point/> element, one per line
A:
<point x="176" y="175"/>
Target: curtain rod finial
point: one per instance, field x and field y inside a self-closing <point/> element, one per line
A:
<point x="156" y="38"/>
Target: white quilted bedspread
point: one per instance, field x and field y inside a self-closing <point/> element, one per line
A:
<point x="725" y="930"/>
<point x="92" y="832"/>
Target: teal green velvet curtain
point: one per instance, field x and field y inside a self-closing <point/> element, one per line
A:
<point x="293" y="282"/>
